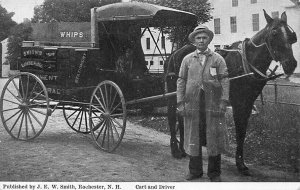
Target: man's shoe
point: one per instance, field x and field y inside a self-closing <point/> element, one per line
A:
<point x="190" y="177"/>
<point x="215" y="179"/>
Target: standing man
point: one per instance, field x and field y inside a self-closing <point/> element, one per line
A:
<point x="202" y="96"/>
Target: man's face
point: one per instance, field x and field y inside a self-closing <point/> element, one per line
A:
<point x="201" y="41"/>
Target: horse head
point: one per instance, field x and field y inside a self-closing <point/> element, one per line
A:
<point x="279" y="39"/>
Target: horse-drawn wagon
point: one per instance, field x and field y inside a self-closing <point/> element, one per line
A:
<point x="84" y="81"/>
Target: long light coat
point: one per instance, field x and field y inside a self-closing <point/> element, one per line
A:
<point x="192" y="77"/>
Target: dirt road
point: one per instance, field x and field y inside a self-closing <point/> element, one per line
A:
<point x="59" y="154"/>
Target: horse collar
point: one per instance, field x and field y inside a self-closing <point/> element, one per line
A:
<point x="246" y="63"/>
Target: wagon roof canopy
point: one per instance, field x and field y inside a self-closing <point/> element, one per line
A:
<point x="155" y="14"/>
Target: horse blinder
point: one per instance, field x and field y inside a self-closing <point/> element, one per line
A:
<point x="292" y="38"/>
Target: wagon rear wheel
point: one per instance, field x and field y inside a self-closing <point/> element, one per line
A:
<point x="76" y="117"/>
<point x="24" y="106"/>
<point x="107" y="116"/>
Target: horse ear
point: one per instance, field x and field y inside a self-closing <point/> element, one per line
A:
<point x="284" y="17"/>
<point x="268" y="18"/>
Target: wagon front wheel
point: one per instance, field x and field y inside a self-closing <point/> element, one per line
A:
<point x="107" y="116"/>
<point x="24" y="106"/>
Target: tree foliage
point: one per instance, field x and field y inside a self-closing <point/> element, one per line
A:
<point x="6" y="23"/>
<point x="201" y="8"/>
<point x="20" y="33"/>
<point x="67" y="10"/>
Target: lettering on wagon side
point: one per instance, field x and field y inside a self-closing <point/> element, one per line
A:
<point x="47" y="77"/>
<point x="53" y="90"/>
<point x="32" y="63"/>
<point x="80" y="68"/>
<point x="35" y="52"/>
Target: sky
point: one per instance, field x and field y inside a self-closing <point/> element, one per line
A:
<point x="21" y="8"/>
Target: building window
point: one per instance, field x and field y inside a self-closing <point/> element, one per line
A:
<point x="253" y="1"/>
<point x="151" y="62"/>
<point x="275" y="14"/>
<point x="161" y="62"/>
<point x="235" y="3"/>
<point x="146" y="62"/>
<point x="148" y="43"/>
<point x="217" y="47"/>
<point x="233" y="24"/>
<point x="163" y="42"/>
<point x="255" y="22"/>
<point x="217" y="26"/>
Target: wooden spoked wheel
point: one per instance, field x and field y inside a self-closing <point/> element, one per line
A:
<point x="107" y="116"/>
<point x="24" y="106"/>
<point x="76" y="117"/>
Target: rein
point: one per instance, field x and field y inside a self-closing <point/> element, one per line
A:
<point x="264" y="44"/>
<point x="247" y="64"/>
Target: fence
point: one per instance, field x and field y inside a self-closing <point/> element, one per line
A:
<point x="277" y="87"/>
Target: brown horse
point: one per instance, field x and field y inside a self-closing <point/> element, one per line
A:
<point x="254" y="55"/>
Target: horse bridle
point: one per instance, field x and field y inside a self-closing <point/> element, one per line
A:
<point x="292" y="38"/>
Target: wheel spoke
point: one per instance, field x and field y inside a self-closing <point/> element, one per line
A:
<point x="72" y="114"/>
<point x="38" y="111"/>
<point x="35" y="118"/>
<point x="16" y="88"/>
<point x="26" y="126"/>
<point x="21" y="125"/>
<point x="113" y="100"/>
<point x="30" y="121"/>
<point x="37" y="96"/>
<point x="115" y="129"/>
<point x="97" y="109"/>
<point x="14" y="95"/>
<point x="86" y="124"/>
<point x="121" y="126"/>
<point x="104" y="133"/>
<point x="108" y="129"/>
<point x="116" y="115"/>
<point x="80" y="120"/>
<point x="12" y="116"/>
<point x="31" y="92"/>
<point x="27" y="86"/>
<point x="22" y="86"/>
<point x="15" y="122"/>
<point x="10" y="101"/>
<point x="102" y="98"/>
<point x="106" y="97"/>
<point x="99" y="102"/>
<point x="102" y="125"/>
<point x="115" y="107"/>
<point x="10" y="109"/>
<point x="98" y="125"/>
<point x="110" y="97"/>
<point x="75" y="119"/>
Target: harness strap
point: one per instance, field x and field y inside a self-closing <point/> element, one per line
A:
<point x="246" y="63"/>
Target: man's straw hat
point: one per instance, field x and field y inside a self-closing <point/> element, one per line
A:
<point x="200" y="29"/>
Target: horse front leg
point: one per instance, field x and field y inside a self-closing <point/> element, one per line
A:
<point x="241" y="122"/>
<point x="180" y="128"/>
<point x="176" y="153"/>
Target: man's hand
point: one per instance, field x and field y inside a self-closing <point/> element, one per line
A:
<point x="223" y="105"/>
<point x="180" y="108"/>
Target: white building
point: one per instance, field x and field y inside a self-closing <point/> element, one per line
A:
<point x="154" y="60"/>
<point x="235" y="20"/>
<point x="5" y="66"/>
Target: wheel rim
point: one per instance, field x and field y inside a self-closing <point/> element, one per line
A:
<point x="77" y="118"/>
<point x="107" y="116"/>
<point x="24" y="106"/>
